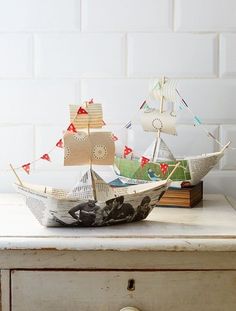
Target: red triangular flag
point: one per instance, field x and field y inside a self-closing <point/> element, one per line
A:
<point x="26" y="167"/>
<point x="71" y="128"/>
<point x="144" y="161"/>
<point x="45" y="157"/>
<point x="127" y="151"/>
<point x="164" y="168"/>
<point x="114" y="138"/>
<point x="59" y="144"/>
<point x="82" y="111"/>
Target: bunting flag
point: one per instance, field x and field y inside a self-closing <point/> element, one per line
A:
<point x="164" y="168"/>
<point x="114" y="138"/>
<point x="103" y="122"/>
<point x="59" y="144"/>
<point x="81" y="110"/>
<point x="127" y="151"/>
<point x="144" y="161"/>
<point x="211" y="135"/>
<point x="128" y="125"/>
<point x="71" y="128"/>
<point x="91" y="101"/>
<point x="143" y="105"/>
<point x="26" y="167"/>
<point x="197" y="120"/>
<point x="45" y="157"/>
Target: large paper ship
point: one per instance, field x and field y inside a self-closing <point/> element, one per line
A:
<point x="157" y="161"/>
<point x="92" y="201"/>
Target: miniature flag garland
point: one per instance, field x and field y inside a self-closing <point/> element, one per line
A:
<point x="46" y="157"/>
<point x="114" y="137"/>
<point x="127" y="151"/>
<point x="81" y="110"/>
<point x="59" y="144"/>
<point x="144" y="161"/>
<point x="26" y="168"/>
<point x="71" y="128"/>
<point x="164" y="168"/>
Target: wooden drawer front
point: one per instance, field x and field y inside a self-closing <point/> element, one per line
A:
<point x="107" y="291"/>
<point x="0" y="292"/>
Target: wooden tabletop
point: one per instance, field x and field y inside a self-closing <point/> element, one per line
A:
<point x="209" y="226"/>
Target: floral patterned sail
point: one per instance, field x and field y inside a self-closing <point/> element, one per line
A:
<point x="84" y="148"/>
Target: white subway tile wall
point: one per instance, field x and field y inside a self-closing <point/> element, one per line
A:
<point x="59" y="52"/>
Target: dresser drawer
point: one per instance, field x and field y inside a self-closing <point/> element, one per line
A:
<point x="114" y="290"/>
<point x="0" y="291"/>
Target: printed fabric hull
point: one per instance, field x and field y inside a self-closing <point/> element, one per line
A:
<point x="53" y="212"/>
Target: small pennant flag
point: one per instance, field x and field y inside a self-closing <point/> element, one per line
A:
<point x="211" y="135"/>
<point x="103" y="122"/>
<point x="197" y="120"/>
<point x="59" y="144"/>
<point x="46" y="157"/>
<point x="90" y="101"/>
<point x="82" y="111"/>
<point x="143" y="105"/>
<point x="164" y="168"/>
<point x="144" y="161"/>
<point x="128" y="125"/>
<point x="71" y="128"/>
<point x="127" y="151"/>
<point x="114" y="138"/>
<point x="26" y="167"/>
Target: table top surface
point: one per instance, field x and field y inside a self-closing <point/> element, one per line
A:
<point x="209" y="226"/>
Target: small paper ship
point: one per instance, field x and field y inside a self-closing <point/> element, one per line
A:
<point x="92" y="201"/>
<point x="158" y="160"/>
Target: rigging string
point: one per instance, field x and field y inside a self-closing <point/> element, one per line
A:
<point x="59" y="144"/>
<point x="128" y="125"/>
<point x="198" y="121"/>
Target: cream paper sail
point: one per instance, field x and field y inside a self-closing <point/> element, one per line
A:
<point x="83" y="188"/>
<point x="94" y="118"/>
<point x="82" y="148"/>
<point x="153" y="121"/>
<point x="162" y="153"/>
<point x="168" y="90"/>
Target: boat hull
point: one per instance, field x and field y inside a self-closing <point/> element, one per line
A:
<point x="54" y="212"/>
<point x="191" y="169"/>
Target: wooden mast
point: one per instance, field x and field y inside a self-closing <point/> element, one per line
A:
<point x="17" y="177"/>
<point x="91" y="167"/>
<point x="161" y="111"/>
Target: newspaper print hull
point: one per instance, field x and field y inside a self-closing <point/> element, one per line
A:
<point x="192" y="169"/>
<point x="53" y="212"/>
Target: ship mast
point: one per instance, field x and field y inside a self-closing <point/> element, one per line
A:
<point x="91" y="167"/>
<point x="159" y="131"/>
<point x="85" y="146"/>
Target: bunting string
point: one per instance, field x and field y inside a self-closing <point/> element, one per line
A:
<point x="197" y="121"/>
<point x="127" y="151"/>
<point x="71" y="128"/>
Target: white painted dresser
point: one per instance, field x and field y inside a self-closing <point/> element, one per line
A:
<point x="177" y="259"/>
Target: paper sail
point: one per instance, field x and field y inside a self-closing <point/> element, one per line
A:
<point x="82" y="148"/>
<point x="153" y="121"/>
<point x="83" y="188"/>
<point x="162" y="152"/>
<point x="92" y="119"/>
<point x="168" y="90"/>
